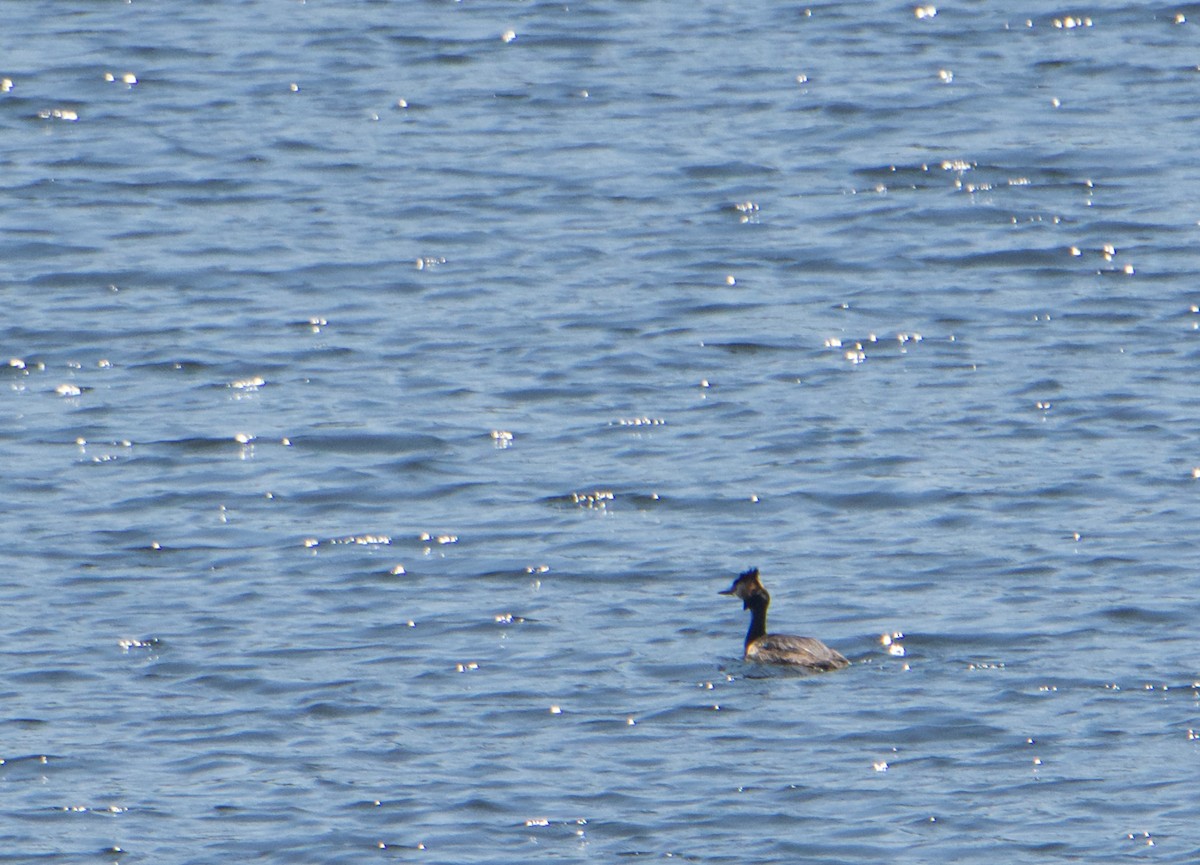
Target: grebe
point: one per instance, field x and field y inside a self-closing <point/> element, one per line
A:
<point x="804" y="652"/>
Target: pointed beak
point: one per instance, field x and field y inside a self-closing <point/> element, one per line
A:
<point x="726" y="592"/>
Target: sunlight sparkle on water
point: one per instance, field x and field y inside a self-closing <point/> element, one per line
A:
<point x="1070" y="22"/>
<point x="58" y="114"/>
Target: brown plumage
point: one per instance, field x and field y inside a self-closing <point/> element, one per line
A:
<point x="767" y="648"/>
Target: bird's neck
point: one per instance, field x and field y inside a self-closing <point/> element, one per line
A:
<point x="758" y="618"/>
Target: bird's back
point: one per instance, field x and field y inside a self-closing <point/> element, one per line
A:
<point x="800" y="651"/>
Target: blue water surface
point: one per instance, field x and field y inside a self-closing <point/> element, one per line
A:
<point x="393" y="385"/>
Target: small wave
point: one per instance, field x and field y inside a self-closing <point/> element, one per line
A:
<point x="370" y="443"/>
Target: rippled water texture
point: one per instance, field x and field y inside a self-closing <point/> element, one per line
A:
<point x="393" y="386"/>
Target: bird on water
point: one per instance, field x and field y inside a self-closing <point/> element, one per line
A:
<point x="805" y="652"/>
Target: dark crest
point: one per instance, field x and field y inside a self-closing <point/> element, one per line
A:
<point x="747" y="585"/>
